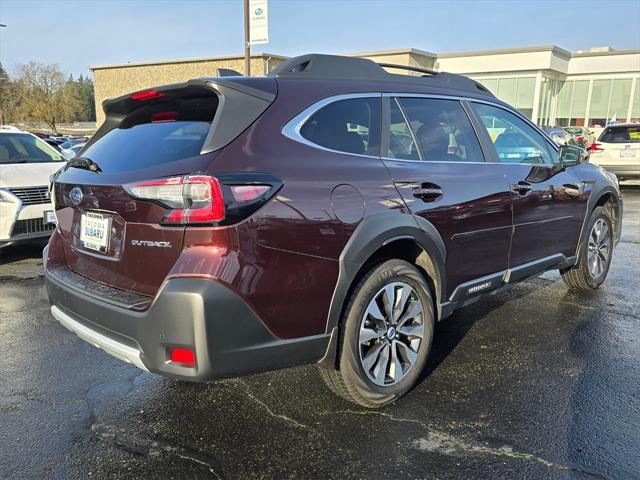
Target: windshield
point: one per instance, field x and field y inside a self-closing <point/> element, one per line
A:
<point x="621" y="134"/>
<point x="25" y="148"/>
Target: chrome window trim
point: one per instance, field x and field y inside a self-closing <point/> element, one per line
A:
<point x="291" y="129"/>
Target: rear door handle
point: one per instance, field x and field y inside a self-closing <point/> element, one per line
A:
<point x="427" y="192"/>
<point x="522" y="187"/>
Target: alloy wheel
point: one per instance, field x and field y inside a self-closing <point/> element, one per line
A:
<point x="391" y="333"/>
<point x="598" y="248"/>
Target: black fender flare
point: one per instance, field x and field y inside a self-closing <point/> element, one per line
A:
<point x="375" y="232"/>
<point x="600" y="188"/>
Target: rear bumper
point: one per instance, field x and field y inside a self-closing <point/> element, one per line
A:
<point x="199" y="314"/>
<point x="109" y="345"/>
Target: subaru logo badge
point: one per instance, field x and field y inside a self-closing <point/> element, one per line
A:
<point x="76" y="195"/>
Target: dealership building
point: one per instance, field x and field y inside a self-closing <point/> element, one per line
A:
<point x="550" y="85"/>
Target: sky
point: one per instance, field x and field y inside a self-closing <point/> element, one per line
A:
<point x="78" y="34"/>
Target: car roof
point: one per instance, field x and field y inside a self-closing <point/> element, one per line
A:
<point x="11" y="129"/>
<point x="339" y="68"/>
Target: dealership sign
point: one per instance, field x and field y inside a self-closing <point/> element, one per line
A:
<point x="258" y="22"/>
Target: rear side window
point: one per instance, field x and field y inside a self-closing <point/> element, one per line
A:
<point x="442" y="130"/>
<point x="515" y="140"/>
<point x="155" y="134"/>
<point x="349" y="126"/>
<point x="620" y="134"/>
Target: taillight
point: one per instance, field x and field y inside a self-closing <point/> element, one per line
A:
<point x="224" y="199"/>
<point x="595" y="147"/>
<point x="579" y="139"/>
<point x="192" y="199"/>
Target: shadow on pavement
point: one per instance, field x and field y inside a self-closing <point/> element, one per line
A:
<point x="17" y="253"/>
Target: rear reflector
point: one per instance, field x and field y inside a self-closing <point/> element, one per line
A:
<point x="147" y="95"/>
<point x="247" y="193"/>
<point x="183" y="356"/>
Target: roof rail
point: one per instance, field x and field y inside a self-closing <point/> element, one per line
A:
<point x="338" y="67"/>
<point x="408" y="67"/>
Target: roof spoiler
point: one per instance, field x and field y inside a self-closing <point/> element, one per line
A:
<point x="248" y="103"/>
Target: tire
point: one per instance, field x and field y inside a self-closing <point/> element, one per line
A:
<point x="584" y="275"/>
<point x="366" y="334"/>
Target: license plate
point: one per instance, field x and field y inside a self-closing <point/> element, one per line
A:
<point x="627" y="153"/>
<point x="49" y="217"/>
<point x="94" y="231"/>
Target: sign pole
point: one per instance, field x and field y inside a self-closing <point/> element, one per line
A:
<point x="247" y="45"/>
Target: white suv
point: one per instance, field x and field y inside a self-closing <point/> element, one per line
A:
<point x="26" y="163"/>
<point x="618" y="150"/>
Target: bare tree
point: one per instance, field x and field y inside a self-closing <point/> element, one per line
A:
<point x="44" y="93"/>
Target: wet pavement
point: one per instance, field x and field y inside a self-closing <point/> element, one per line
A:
<point x="532" y="382"/>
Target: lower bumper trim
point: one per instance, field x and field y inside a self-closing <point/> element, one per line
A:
<point x="117" y="349"/>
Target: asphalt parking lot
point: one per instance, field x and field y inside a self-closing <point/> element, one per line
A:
<point x="532" y="382"/>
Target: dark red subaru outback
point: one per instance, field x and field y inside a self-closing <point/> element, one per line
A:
<point x="329" y="213"/>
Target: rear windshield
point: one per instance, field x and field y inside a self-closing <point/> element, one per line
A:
<point x="621" y="134"/>
<point x="155" y="134"/>
<point x="573" y="131"/>
<point x="25" y="148"/>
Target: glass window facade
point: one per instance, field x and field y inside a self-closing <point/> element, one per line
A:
<point x="600" y="96"/>
<point x="585" y="102"/>
<point x="517" y="91"/>
<point x="620" y="97"/>
<point x="635" y="107"/>
<point x="524" y="95"/>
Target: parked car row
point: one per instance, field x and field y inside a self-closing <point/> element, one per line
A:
<point x="560" y="136"/>
<point x="617" y="148"/>
<point x="581" y="135"/>
<point x="65" y="144"/>
<point x="26" y="163"/>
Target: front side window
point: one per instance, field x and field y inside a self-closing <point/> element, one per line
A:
<point x="514" y="140"/>
<point x="349" y="126"/>
<point x="25" y="148"/>
<point x="442" y="130"/>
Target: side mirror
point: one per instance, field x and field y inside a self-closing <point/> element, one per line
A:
<point x="571" y="155"/>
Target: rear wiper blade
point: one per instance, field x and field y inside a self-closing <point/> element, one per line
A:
<point x="84" y="162"/>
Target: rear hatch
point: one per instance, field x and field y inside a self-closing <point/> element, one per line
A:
<point x="120" y="206"/>
<point x="617" y="145"/>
